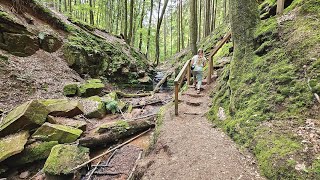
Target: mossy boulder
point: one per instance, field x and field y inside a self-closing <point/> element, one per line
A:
<point x="49" y="42"/>
<point x="19" y="44"/>
<point x="110" y="96"/>
<point x="70" y="89"/>
<point x="33" y="152"/>
<point x="24" y="117"/>
<point x="117" y="126"/>
<point x="68" y="122"/>
<point x="63" y="107"/>
<point x="57" y="132"/>
<point x="90" y="88"/>
<point x="65" y="157"/>
<point x="94" y="107"/>
<point x="145" y="80"/>
<point x="12" y="144"/>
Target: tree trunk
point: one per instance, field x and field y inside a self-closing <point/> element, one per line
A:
<point x="158" y="31"/>
<point x="181" y="26"/>
<point x="115" y="132"/>
<point x="91" y="13"/>
<point x="125" y="33"/>
<point x="193" y="26"/>
<point x="131" y="21"/>
<point x="141" y="21"/>
<point x="178" y="26"/>
<point x="149" y="28"/>
<point x="207" y="19"/>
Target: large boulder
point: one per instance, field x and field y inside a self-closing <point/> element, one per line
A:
<point x="94" y="107"/>
<point x="19" y="44"/>
<point x="12" y="144"/>
<point x="33" y="152"/>
<point x="63" y="107"/>
<point x="49" y="42"/>
<point x="68" y="122"/>
<point x="65" y="157"/>
<point x="57" y="132"/>
<point x="27" y="116"/>
<point x="90" y="88"/>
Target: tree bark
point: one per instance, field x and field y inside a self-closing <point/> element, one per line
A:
<point x="125" y="33"/>
<point x="158" y="31"/>
<point x="91" y="13"/>
<point x="141" y="21"/>
<point x="115" y="132"/>
<point x="149" y="28"/>
<point x="193" y="26"/>
<point x="131" y="21"/>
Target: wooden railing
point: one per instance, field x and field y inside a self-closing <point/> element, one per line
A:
<point x="186" y="70"/>
<point x="213" y="52"/>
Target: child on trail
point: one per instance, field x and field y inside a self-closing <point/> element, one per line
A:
<point x="198" y="61"/>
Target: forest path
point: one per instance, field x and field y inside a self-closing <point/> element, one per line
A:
<point x="189" y="147"/>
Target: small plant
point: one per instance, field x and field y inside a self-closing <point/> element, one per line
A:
<point x="112" y="106"/>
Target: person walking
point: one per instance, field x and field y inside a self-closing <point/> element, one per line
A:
<point x="198" y="62"/>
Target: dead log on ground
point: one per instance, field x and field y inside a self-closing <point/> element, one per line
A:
<point x="116" y="131"/>
<point x="124" y="95"/>
<point x="163" y="80"/>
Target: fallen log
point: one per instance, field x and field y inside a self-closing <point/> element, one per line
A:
<point x="116" y="131"/>
<point x="163" y="80"/>
<point x="124" y="95"/>
<point x="148" y="103"/>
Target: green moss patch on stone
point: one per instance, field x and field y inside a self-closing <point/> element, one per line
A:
<point x="68" y="122"/>
<point x="12" y="144"/>
<point x="94" y="107"/>
<point x="70" y="89"/>
<point x="65" y="157"/>
<point x="33" y="152"/>
<point x="63" y="107"/>
<point x="57" y="132"/>
<point x="26" y="116"/>
<point x="117" y="126"/>
<point x="90" y="88"/>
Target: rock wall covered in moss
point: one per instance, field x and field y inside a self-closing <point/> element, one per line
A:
<point x="268" y="93"/>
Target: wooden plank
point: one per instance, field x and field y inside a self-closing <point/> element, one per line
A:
<point x="176" y="100"/>
<point x="280" y="6"/>
<point x="183" y="70"/>
<point x="189" y="73"/>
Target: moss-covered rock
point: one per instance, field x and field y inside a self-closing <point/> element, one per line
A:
<point x="94" y="107"/>
<point x="57" y="132"/>
<point x="49" y="42"/>
<point x="65" y="157"/>
<point x="90" y="88"/>
<point x="33" y="152"/>
<point x="19" y="44"/>
<point x="68" y="122"/>
<point x="12" y="144"/>
<point x="63" y="107"/>
<point x="70" y="89"/>
<point x="26" y="116"/>
<point x="117" y="126"/>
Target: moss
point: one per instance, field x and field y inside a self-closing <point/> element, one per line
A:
<point x="12" y="144"/>
<point x="116" y="127"/>
<point x="70" y="89"/>
<point x="34" y="152"/>
<point x="90" y="89"/>
<point x="57" y="132"/>
<point x="65" y="157"/>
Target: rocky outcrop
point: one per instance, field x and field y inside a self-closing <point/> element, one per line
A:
<point x="63" y="107"/>
<point x="49" y="42"/>
<point x="27" y="116"/>
<point x="12" y="144"/>
<point x="94" y="107"/>
<point x="63" y="158"/>
<point x="57" y="132"/>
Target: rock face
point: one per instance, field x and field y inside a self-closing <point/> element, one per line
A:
<point x="49" y="43"/>
<point x="33" y="152"/>
<point x="26" y="116"/>
<point x="68" y="122"/>
<point x="94" y="107"/>
<point x="65" y="157"/>
<point x="63" y="107"/>
<point x="90" y="88"/>
<point x="12" y="144"/>
<point x="57" y="132"/>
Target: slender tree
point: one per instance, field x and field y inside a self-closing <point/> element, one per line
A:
<point x="158" y="31"/>
<point x="193" y="26"/>
<point x="149" y="29"/>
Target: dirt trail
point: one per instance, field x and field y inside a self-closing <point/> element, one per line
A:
<point x="190" y="148"/>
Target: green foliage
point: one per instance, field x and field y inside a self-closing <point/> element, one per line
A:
<point x="112" y="106"/>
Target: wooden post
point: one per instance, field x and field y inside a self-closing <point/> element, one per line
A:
<point x="210" y="70"/>
<point x="188" y="73"/>
<point x="280" y="6"/>
<point x="176" y="99"/>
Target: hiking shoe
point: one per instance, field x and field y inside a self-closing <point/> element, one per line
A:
<point x="198" y="91"/>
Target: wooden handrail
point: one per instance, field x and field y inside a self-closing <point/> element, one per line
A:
<point x="179" y="81"/>
<point x="213" y="52"/>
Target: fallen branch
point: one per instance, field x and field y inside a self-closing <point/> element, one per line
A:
<point x="135" y="166"/>
<point x="146" y="116"/>
<point x="163" y="80"/>
<point x="108" y="173"/>
<point x="149" y="103"/>
<point x="124" y="95"/>
<point x="114" y="132"/>
<point x="107" y="152"/>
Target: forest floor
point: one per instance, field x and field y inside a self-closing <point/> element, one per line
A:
<point x="190" y="147"/>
